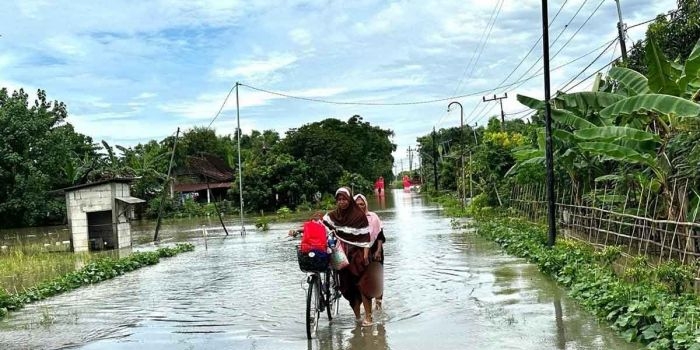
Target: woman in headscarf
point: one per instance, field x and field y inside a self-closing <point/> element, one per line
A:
<point x="353" y="233"/>
<point x="377" y="239"/>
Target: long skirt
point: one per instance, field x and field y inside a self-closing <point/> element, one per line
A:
<point x="358" y="279"/>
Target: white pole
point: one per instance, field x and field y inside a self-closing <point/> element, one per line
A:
<point x="240" y="169"/>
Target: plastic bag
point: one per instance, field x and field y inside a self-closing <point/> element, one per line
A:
<point x="338" y="258"/>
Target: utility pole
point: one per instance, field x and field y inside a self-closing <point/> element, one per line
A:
<point x="410" y="160"/>
<point x="500" y="100"/>
<point x="435" y="155"/>
<point x="549" y="154"/>
<point x="461" y="149"/>
<point x="621" y="32"/>
<point x="240" y="168"/>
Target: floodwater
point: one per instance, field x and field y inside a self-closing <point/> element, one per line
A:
<point x="444" y="289"/>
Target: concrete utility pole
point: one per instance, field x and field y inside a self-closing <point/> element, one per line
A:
<point x="500" y="100"/>
<point x="435" y="155"/>
<point x="621" y="31"/>
<point x="410" y="160"/>
<point x="461" y="150"/>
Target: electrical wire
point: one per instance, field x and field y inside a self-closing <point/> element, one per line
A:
<point x="222" y="105"/>
<point x="489" y="27"/>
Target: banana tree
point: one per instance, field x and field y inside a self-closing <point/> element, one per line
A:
<point x="631" y="125"/>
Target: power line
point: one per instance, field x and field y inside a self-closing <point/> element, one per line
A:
<point x="589" y="65"/>
<point x="531" y="49"/>
<point x="513" y="70"/>
<point x="489" y="26"/>
<point x="481" y="50"/>
<point x="579" y="29"/>
<point x="367" y="103"/>
<point x="553" y="42"/>
<point x="222" y="106"/>
<point x="469" y="120"/>
<point x="592" y="74"/>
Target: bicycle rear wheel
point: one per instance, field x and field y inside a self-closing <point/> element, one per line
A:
<point x="313" y="303"/>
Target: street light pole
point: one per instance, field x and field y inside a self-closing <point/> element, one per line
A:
<point x="461" y="130"/>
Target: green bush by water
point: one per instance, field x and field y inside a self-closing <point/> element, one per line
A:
<point x="94" y="272"/>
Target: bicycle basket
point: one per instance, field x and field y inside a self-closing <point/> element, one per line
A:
<point x="316" y="263"/>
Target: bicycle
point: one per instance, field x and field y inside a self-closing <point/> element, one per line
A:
<point x="322" y="293"/>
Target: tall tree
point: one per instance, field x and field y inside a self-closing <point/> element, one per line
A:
<point x="37" y="150"/>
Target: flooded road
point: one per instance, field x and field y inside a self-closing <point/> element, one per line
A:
<point x="444" y="289"/>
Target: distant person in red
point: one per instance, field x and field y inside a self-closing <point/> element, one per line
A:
<point x="406" y="183"/>
<point x="379" y="186"/>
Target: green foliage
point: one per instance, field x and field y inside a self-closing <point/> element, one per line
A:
<point x="332" y="146"/>
<point x="262" y="223"/>
<point x="676" y="35"/>
<point x="40" y="152"/>
<point x="283" y="212"/>
<point x="93" y="272"/>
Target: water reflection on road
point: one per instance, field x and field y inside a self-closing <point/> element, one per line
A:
<point x="444" y="289"/>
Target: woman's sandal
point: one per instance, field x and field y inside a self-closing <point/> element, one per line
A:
<point x="366" y="323"/>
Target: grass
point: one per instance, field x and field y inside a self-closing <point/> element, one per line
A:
<point x="97" y="270"/>
<point x="24" y="266"/>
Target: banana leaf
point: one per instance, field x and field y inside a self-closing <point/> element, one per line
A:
<point x="587" y="100"/>
<point x="610" y="177"/>
<point x="634" y="81"/>
<point x="616" y="132"/>
<point x="564" y="135"/>
<point x="530" y="102"/>
<point x="663" y="104"/>
<point x="568" y="118"/>
<point x="661" y="71"/>
<point x="648" y="147"/>
<point x="617" y="152"/>
<point x="525" y="154"/>
<point x="691" y="71"/>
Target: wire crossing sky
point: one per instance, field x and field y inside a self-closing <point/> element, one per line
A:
<point x="150" y="67"/>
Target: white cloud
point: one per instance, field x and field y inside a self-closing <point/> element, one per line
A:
<point x="118" y="65"/>
<point x="382" y="22"/>
<point x="146" y="95"/>
<point x="300" y="36"/>
<point x="254" y="69"/>
<point x="68" y="45"/>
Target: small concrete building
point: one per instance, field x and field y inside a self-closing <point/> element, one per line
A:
<point x="99" y="213"/>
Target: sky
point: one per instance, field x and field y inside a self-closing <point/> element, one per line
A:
<point x="133" y="71"/>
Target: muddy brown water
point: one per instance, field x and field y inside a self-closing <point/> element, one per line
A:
<point x="444" y="289"/>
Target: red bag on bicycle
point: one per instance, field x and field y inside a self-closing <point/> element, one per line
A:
<point x="314" y="237"/>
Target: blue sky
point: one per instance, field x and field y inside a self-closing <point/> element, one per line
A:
<point x="131" y="71"/>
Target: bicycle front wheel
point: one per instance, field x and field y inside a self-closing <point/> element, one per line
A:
<point x="332" y="294"/>
<point x="313" y="303"/>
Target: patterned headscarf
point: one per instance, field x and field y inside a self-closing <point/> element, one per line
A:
<point x="351" y="224"/>
<point x="375" y="224"/>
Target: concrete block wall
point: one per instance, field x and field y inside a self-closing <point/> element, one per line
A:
<point x="79" y="203"/>
<point x="123" y="225"/>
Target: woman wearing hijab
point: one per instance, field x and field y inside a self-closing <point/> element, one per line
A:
<point x="353" y="233"/>
<point x="377" y="240"/>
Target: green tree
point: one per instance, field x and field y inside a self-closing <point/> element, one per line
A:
<point x="332" y="146"/>
<point x="39" y="152"/>
<point x="676" y="35"/>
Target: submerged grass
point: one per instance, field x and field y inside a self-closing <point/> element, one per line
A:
<point x="23" y="266"/>
<point x="80" y="272"/>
